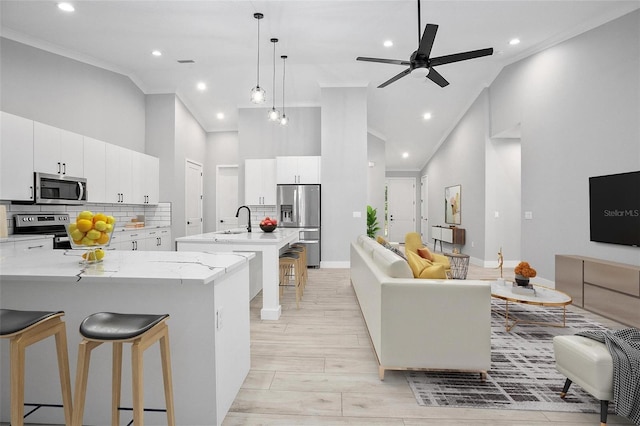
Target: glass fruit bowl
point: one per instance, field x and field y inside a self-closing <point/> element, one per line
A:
<point x="91" y="232"/>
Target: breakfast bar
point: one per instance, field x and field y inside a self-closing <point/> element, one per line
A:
<point x="205" y="294"/>
<point x="264" y="268"/>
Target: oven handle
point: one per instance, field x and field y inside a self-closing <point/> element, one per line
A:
<point x="81" y="188"/>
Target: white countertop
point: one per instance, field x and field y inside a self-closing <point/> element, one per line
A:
<point x="136" y="267"/>
<point x="257" y="236"/>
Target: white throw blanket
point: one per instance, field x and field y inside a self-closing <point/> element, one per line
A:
<point x="624" y="346"/>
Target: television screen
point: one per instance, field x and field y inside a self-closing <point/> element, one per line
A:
<point x="614" y="204"/>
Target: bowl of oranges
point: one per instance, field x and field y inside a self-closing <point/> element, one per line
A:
<point x="91" y="232"/>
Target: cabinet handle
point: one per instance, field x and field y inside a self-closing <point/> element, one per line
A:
<point x="31" y="191"/>
<point x="64" y="168"/>
<point x="159" y="241"/>
<point x="35" y="247"/>
<point x="59" y="167"/>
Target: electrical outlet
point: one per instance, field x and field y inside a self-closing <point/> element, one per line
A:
<point x="473" y="244"/>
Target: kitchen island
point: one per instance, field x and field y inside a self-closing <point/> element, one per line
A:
<point x="264" y="268"/>
<point x="205" y="294"/>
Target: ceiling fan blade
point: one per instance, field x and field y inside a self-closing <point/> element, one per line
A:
<point x="394" y="78"/>
<point x="456" y="57"/>
<point x="426" y="43"/>
<point x="383" y="61"/>
<point x="437" y="78"/>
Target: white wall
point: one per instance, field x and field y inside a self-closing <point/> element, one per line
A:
<point x="376" y="174"/>
<point x="461" y="161"/>
<point x="578" y="117"/>
<point x="344" y="171"/>
<point x="502" y="195"/>
<point x="71" y="95"/>
<point x="222" y="149"/>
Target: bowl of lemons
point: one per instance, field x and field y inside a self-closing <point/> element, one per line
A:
<point x="91" y="232"/>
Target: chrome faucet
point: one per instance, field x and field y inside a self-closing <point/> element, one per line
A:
<point x="248" y="216"/>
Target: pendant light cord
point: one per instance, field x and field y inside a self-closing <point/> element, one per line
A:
<point x="284" y="70"/>
<point x="274" y="40"/>
<point x="258" y="64"/>
<point x="419" y="24"/>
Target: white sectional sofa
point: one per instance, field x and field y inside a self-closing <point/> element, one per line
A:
<point x="420" y="323"/>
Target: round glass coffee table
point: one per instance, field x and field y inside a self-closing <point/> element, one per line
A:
<point x="542" y="296"/>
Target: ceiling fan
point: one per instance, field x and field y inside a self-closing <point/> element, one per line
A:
<point x="420" y="59"/>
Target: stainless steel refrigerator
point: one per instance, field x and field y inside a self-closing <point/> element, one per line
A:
<point x="298" y="206"/>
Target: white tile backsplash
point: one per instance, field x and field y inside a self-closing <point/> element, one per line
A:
<point x="155" y="215"/>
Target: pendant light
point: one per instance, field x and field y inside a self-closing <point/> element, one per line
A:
<point x="283" y="120"/>
<point x="274" y="115"/>
<point x="258" y="95"/>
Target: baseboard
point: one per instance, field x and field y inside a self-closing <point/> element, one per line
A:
<point x="334" y="265"/>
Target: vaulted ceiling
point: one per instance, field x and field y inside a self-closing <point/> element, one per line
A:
<point x="321" y="38"/>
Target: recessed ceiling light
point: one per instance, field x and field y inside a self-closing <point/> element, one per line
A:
<point x="67" y="7"/>
<point x="405" y="155"/>
<point x="202" y="86"/>
<point x="388" y="43"/>
<point x="514" y="41"/>
<point x="156" y="53"/>
<point x="427" y="116"/>
<point x="220" y="116"/>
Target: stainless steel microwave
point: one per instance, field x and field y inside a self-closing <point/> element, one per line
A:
<point x="60" y="189"/>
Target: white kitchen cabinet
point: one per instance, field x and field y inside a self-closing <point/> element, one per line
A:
<point x="16" y="158"/>
<point x="260" y="182"/>
<point x="57" y="151"/>
<point x="21" y="246"/>
<point x="119" y="173"/>
<point x="145" y="179"/>
<point x="298" y="170"/>
<point x="153" y="239"/>
<point x="95" y="170"/>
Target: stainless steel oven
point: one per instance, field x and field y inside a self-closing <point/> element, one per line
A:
<point x="59" y="189"/>
<point x="44" y="224"/>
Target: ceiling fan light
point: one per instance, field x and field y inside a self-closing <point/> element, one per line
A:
<point x="258" y="95"/>
<point x="420" y="72"/>
<point x="274" y="114"/>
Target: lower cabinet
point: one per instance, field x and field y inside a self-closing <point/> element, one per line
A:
<point x="157" y="239"/>
<point x="14" y="248"/>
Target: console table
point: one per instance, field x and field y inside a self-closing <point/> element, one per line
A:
<point x="607" y="288"/>
<point x="448" y="235"/>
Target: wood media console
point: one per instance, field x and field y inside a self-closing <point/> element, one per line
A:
<point x="607" y="288"/>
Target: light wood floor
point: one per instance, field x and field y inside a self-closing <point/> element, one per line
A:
<point x="316" y="366"/>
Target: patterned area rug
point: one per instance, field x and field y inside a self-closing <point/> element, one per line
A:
<point x="522" y="375"/>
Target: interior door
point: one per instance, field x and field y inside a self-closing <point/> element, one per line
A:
<point x="401" y="207"/>
<point x="424" y="207"/>
<point x="193" y="194"/>
<point x="226" y="197"/>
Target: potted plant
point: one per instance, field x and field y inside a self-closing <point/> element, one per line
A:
<point x="372" y="222"/>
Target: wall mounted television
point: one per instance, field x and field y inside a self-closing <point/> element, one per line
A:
<point x="614" y="208"/>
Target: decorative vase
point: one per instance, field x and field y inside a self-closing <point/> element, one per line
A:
<point x="521" y="280"/>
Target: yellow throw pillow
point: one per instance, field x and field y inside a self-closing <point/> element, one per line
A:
<point x="425" y="254"/>
<point x="422" y="268"/>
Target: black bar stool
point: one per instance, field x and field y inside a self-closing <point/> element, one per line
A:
<point x="25" y="328"/>
<point x="140" y="330"/>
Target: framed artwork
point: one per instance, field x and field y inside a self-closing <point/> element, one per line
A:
<point x="453" y="205"/>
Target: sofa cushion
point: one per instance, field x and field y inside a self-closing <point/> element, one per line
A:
<point x="422" y="268"/>
<point x="425" y="253"/>
<point x="390" y="263"/>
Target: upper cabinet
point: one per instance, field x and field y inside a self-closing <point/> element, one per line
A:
<point x="95" y="169"/>
<point x="114" y="174"/>
<point x="16" y="158"/>
<point x="145" y="178"/>
<point x="57" y="151"/>
<point x="260" y="182"/>
<point x="119" y="173"/>
<point x="298" y="170"/>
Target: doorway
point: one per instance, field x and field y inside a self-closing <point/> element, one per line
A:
<point x="226" y="197"/>
<point x="424" y="207"/>
<point x="401" y="207"/>
<point x="194" y="198"/>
